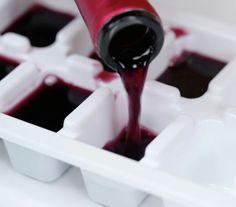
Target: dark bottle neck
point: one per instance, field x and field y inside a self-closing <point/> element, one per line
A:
<point x="130" y="40"/>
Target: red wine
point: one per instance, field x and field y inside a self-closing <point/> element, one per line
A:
<point x="133" y="81"/>
<point x="191" y="74"/>
<point x="6" y="66"/>
<point x="133" y="66"/>
<point x="40" y="25"/>
<point x="133" y="140"/>
<point x="48" y="106"/>
<point x="119" y="144"/>
<point x="127" y="35"/>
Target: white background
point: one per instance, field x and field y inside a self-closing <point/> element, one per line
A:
<point x="223" y="10"/>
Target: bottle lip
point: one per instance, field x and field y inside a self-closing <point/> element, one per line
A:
<point x="124" y="20"/>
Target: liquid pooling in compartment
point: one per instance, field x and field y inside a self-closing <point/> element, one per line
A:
<point x="6" y="66"/>
<point x="40" y="25"/>
<point x="50" y="104"/>
<point x="132" y="56"/>
<point x="119" y="146"/>
<point x="191" y="74"/>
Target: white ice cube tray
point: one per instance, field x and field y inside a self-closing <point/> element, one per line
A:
<point x="190" y="163"/>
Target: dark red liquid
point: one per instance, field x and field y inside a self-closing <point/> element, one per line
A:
<point x="49" y="105"/>
<point x="133" y="140"/>
<point x="6" y="66"/>
<point x="133" y="81"/>
<point x="191" y="74"/>
<point x="119" y="144"/>
<point x="132" y="56"/>
<point x="40" y="25"/>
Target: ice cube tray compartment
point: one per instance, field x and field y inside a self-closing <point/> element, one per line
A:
<point x="174" y="170"/>
<point x="206" y="161"/>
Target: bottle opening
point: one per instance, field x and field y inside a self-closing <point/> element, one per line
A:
<point x="130" y="40"/>
<point x="132" y="46"/>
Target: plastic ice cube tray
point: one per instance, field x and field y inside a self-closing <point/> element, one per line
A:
<point x="190" y="163"/>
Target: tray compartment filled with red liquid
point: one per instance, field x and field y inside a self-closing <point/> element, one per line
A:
<point x="108" y="118"/>
<point x="191" y="73"/>
<point x="44" y="105"/>
<point x="136" y="151"/>
<point x="39" y="24"/>
<point x="47" y="107"/>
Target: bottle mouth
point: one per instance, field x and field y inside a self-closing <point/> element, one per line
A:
<point x="130" y="40"/>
